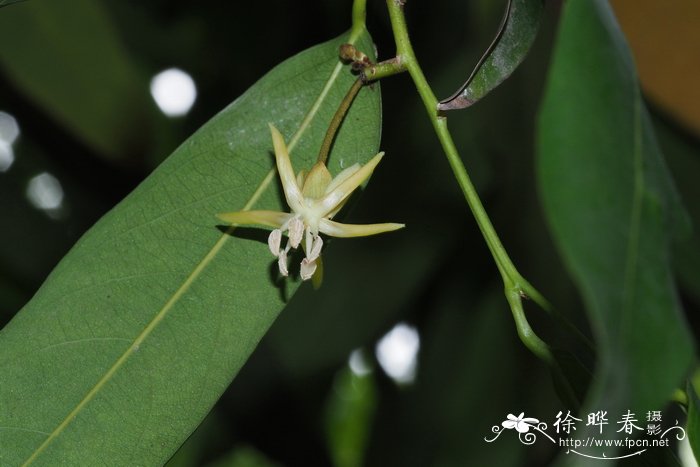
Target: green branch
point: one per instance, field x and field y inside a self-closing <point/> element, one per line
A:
<point x="516" y="287"/>
<point x="359" y="14"/>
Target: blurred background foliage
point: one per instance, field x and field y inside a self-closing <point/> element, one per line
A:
<point x="75" y="76"/>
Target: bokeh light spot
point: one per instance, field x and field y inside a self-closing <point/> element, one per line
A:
<point x="174" y="92"/>
<point x="9" y="131"/>
<point x="358" y="363"/>
<point x="397" y="353"/>
<point x="45" y="192"/>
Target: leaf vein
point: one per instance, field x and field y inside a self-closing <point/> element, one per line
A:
<point x="184" y="287"/>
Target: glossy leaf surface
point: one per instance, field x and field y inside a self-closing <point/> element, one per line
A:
<point x="509" y="48"/>
<point x="142" y="326"/>
<point x="612" y="209"/>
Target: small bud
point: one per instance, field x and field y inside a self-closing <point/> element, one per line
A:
<point x="349" y="53"/>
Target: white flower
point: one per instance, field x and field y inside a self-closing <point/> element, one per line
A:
<point x="314" y="199"/>
<point x="522" y="425"/>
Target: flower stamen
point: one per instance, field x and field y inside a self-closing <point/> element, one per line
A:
<point x="274" y="241"/>
<point x="295" y="232"/>
<point x="307" y="269"/>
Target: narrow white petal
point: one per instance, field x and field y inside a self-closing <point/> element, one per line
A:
<point x="342" y="176"/>
<point x="330" y="202"/>
<point x="336" y="229"/>
<point x="292" y="192"/>
<point x="307" y="270"/>
<point x="269" y="218"/>
<point x="274" y="241"/>
<point x="296" y="232"/>
<point x="282" y="263"/>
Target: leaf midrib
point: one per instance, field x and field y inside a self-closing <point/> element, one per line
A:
<point x="636" y="214"/>
<point x="192" y="277"/>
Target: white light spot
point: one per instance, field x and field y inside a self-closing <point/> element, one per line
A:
<point x="397" y="353"/>
<point x="358" y="363"/>
<point x="9" y="131"/>
<point x="45" y="192"/>
<point x="174" y="92"/>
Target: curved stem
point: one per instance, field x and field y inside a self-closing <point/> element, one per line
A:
<point x="337" y="120"/>
<point x="359" y="15"/>
<point x="516" y="286"/>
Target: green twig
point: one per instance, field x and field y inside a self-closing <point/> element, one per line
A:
<point x="383" y="69"/>
<point x="359" y="15"/>
<point x="516" y="287"/>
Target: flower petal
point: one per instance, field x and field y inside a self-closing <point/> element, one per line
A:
<point x="508" y="424"/>
<point x="342" y="176"/>
<point x="336" y="229"/>
<point x="269" y="218"/>
<point x="331" y="201"/>
<point x="316" y="181"/>
<point x="292" y="192"/>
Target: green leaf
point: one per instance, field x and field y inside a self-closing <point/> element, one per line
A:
<point x="612" y="207"/>
<point x="67" y="57"/>
<point x="146" y="321"/>
<point x="515" y="35"/>
<point x="349" y="412"/>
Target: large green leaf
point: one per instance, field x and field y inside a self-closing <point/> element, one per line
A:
<point x="145" y="322"/>
<point x="611" y="207"/>
<point x="515" y="35"/>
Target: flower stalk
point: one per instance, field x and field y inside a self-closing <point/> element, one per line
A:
<point x="338" y="120"/>
<point x="516" y="287"/>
